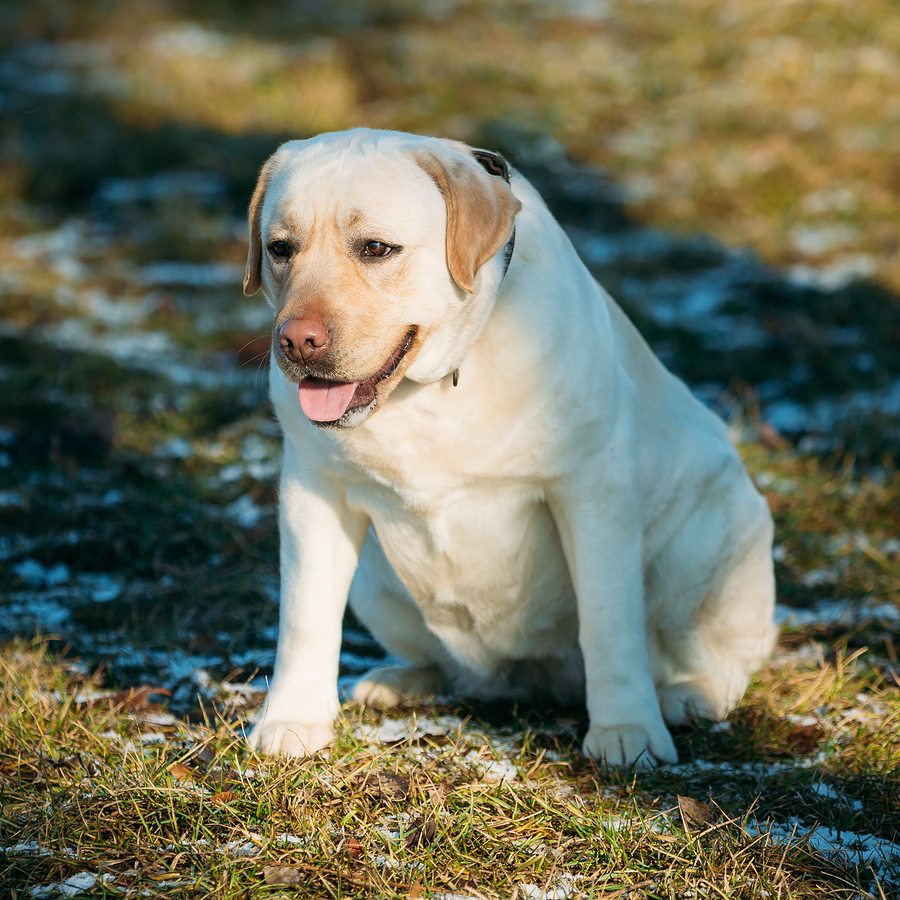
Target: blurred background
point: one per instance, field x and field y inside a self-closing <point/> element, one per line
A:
<point x="728" y="169"/>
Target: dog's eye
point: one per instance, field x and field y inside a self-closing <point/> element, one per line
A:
<point x="377" y="249"/>
<point x="281" y="249"/>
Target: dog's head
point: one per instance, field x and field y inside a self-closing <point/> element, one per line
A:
<point x="373" y="249"/>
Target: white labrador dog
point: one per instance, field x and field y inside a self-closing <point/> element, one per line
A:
<point x="530" y="503"/>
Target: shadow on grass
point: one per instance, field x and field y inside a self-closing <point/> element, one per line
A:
<point x="113" y="547"/>
<point x="814" y="362"/>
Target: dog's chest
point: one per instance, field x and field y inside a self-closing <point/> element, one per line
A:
<point x="477" y="559"/>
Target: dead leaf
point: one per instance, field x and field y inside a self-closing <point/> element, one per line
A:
<point x="437" y="796"/>
<point x="222" y="797"/>
<point x="422" y="831"/>
<point x="770" y="438"/>
<point x="805" y="737"/>
<point x="138" y="697"/>
<point x="182" y="773"/>
<point x="416" y="891"/>
<point x="387" y="786"/>
<point x="353" y="847"/>
<point x="203" y="753"/>
<point x="695" y="814"/>
<point x="282" y="875"/>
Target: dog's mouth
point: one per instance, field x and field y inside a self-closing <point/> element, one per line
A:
<point x="327" y="402"/>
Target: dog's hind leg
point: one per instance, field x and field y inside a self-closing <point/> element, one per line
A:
<point x="389" y="686"/>
<point x="381" y="602"/>
<point x="708" y="658"/>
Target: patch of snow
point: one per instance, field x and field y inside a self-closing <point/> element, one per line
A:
<point x="563" y="888"/>
<point x="127" y="348"/>
<point x="71" y="887"/>
<point x="824" y="790"/>
<point x="233" y="472"/>
<point x="640" y="187"/>
<point x="204" y="185"/>
<point x="616" y="823"/>
<point x="497" y="770"/>
<point x="114" y="312"/>
<point x="393" y="827"/>
<point x="820" y="239"/>
<point x="112" y="497"/>
<point x="149" y="351"/>
<point x="149" y="739"/>
<point x="588" y="10"/>
<point x="827" y="792"/>
<point x="245" y="512"/>
<point x="101" y="586"/>
<point x="836" y="275"/>
<point x="263" y="456"/>
<point x="29" y="848"/>
<point x="883" y="855"/>
<point x="41" y="610"/>
<point x="845" y="613"/>
<point x="65" y="242"/>
<point x="36" y="574"/>
<point x="754" y="769"/>
<point x="257" y="657"/>
<point x="824" y="415"/>
<point x="819" y="577"/>
<point x="92" y="694"/>
<point x="174" y="448"/>
<point x="200" y="842"/>
<point x="160" y="719"/>
<point x="810" y="652"/>
<point x="240" y="848"/>
<point x="195" y="275"/>
<point x="188" y="39"/>
<point x="802" y="721"/>
<point x="835" y="198"/>
<point x="394" y="730"/>
<point x="357" y="664"/>
<point x="294" y="839"/>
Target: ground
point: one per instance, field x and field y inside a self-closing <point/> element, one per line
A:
<point x="732" y="182"/>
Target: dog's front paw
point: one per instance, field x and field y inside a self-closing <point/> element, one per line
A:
<point x="290" y="738"/>
<point x="630" y="745"/>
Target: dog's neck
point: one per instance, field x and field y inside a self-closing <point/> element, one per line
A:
<point x="508" y="249"/>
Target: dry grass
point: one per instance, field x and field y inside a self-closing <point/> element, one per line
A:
<point x="111" y="786"/>
<point x="770" y="127"/>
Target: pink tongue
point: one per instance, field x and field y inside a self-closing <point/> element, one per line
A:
<point x="326" y="401"/>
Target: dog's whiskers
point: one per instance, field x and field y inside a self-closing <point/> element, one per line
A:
<point x="255" y="358"/>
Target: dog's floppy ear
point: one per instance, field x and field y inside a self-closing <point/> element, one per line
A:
<point x="481" y="208"/>
<point x="253" y="272"/>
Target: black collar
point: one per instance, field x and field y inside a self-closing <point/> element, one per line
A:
<point x="508" y="252"/>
